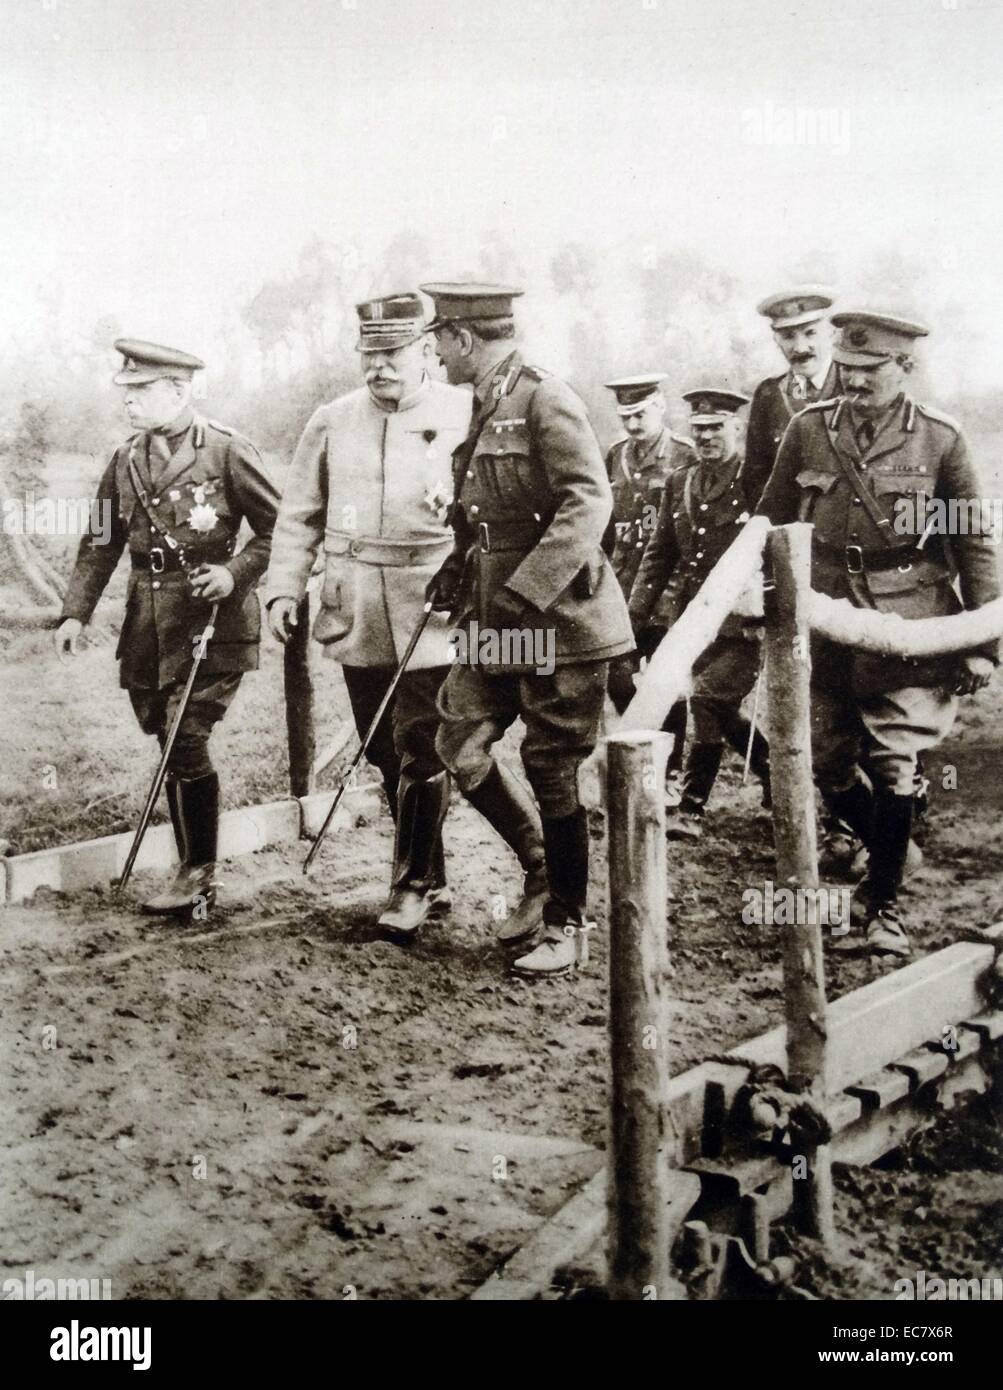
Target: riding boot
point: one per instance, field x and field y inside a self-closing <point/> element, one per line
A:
<point x="675" y="724"/>
<point x="194" y="804"/>
<point x="849" y="818"/>
<point x="886" y="868"/>
<point x="420" y="812"/>
<point x="505" y="804"/>
<point x="737" y="733"/>
<point x="700" y="771"/>
<point x="566" y="841"/>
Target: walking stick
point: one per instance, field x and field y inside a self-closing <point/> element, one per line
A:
<point x="158" y="780"/>
<point x="752" y="723"/>
<point x="426" y="613"/>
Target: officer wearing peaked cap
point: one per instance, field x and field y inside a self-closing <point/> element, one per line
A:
<point x="638" y="466"/>
<point x="530" y="509"/>
<point x="370" y="483"/>
<point x="178" y="491"/>
<point x="802" y="332"/>
<point x="860" y="468"/>
<point x="702" y="509"/>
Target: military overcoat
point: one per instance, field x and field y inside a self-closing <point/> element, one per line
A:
<point x="372" y="487"/>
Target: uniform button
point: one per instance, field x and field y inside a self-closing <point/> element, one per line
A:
<point x="639" y="545"/>
<point x="469" y="474"/>
<point x="156" y="584"/>
<point x="156" y="501"/>
<point x="856" y="501"/>
<point x="637" y="477"/>
<point x="703" y="507"/>
<point x="674" y="515"/>
<point x="474" y="510"/>
<point x="701" y="530"/>
<point x="699" y="554"/>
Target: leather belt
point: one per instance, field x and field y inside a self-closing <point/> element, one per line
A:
<point x="859" y="561"/>
<point x="403" y="554"/>
<point x="161" y="559"/>
<point x="508" y="535"/>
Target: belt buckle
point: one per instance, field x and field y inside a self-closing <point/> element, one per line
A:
<point x="484" y="536"/>
<point x="854" y="553"/>
<point x="156" y="559"/>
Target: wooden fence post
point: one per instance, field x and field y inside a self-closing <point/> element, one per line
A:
<point x="788" y="670"/>
<point x="638" y="1173"/>
<point x="299" y="704"/>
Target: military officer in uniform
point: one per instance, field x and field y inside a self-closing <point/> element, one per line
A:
<point x="638" y="467"/>
<point x="702" y="509"/>
<point x="855" y="467"/>
<point x="370" y="484"/>
<point x="530" y="508"/>
<point x="178" y="491"/>
<point x="803" y="334"/>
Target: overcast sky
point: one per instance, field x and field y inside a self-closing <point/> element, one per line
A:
<point x="160" y="160"/>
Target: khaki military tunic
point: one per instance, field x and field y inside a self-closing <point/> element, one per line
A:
<point x="213" y="483"/>
<point x="638" y="476"/>
<point x="880" y="709"/>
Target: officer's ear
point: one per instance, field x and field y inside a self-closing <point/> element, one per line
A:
<point x="466" y="341"/>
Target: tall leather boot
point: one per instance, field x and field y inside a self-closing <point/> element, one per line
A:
<point x="507" y="806"/>
<point x="700" y="772"/>
<point x="194" y="803"/>
<point x="849" y="817"/>
<point x="421" y="809"/>
<point x="566" y="841"/>
<point x="886" y="935"/>
<point x="675" y="724"/>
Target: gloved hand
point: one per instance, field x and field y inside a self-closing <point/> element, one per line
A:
<point x="509" y="609"/>
<point x="442" y="589"/>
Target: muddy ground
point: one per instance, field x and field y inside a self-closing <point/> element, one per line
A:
<point x="279" y="1105"/>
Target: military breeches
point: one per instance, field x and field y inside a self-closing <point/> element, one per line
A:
<point x="880" y="734"/>
<point x="210" y="699"/>
<point x="722" y="678"/>
<point x="561" y="711"/>
<point x="404" y="741"/>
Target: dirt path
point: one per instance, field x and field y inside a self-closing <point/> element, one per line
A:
<point x="282" y="1106"/>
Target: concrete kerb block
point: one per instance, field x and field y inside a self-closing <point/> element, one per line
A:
<point x="98" y="862"/>
<point x="365" y="798"/>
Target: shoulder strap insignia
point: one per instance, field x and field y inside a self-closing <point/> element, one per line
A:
<point x="941" y="416"/>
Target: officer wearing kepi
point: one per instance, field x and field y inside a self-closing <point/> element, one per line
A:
<point x="858" y="468"/>
<point x="638" y="466"/>
<point x="177" y="491"/>
<point x="702" y="510"/>
<point x="530" y="509"/>
<point x="371" y="483"/>
<point x="802" y="332"/>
